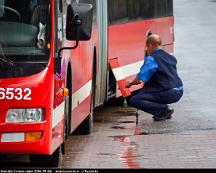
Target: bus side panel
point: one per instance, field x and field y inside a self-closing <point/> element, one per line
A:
<point x="80" y="113"/>
<point x="127" y="42"/>
<point x="81" y="61"/>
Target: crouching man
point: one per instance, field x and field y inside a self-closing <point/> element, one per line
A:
<point x="162" y="84"/>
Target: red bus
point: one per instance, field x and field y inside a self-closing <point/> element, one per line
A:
<point x="54" y="65"/>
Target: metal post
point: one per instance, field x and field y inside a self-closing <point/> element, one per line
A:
<point x="137" y="117"/>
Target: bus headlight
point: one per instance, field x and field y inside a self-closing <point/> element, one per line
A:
<point x="25" y="115"/>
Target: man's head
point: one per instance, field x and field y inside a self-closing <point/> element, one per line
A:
<point x="153" y="42"/>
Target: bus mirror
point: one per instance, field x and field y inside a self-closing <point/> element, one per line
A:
<point x="79" y="21"/>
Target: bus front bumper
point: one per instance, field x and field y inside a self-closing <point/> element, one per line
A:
<point x="24" y="138"/>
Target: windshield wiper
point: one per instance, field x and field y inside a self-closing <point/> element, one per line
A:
<point x="9" y="63"/>
<point x="4" y="60"/>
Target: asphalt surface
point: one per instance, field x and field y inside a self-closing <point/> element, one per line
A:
<point x="186" y="141"/>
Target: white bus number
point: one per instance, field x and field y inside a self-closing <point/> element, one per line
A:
<point x="15" y="93"/>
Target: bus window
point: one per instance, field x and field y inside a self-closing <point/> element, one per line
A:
<point x="156" y="8"/>
<point x="134" y="9"/>
<point x="25" y="34"/>
<point x="117" y="11"/>
<point x="122" y="11"/>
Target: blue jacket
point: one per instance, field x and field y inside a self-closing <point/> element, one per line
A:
<point x="166" y="76"/>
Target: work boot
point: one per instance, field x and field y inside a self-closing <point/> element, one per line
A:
<point x="165" y="115"/>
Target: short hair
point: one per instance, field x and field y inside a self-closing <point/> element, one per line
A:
<point x="154" y="40"/>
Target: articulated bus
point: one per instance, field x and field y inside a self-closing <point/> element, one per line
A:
<point x="55" y="65"/>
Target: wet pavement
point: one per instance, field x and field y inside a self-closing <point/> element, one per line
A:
<point x="186" y="141"/>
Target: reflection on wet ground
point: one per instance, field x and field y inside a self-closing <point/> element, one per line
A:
<point x="129" y="152"/>
<point x="127" y="121"/>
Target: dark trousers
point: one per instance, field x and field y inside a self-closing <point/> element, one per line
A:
<point x="155" y="103"/>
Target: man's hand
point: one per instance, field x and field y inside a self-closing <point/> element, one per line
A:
<point x="128" y="84"/>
